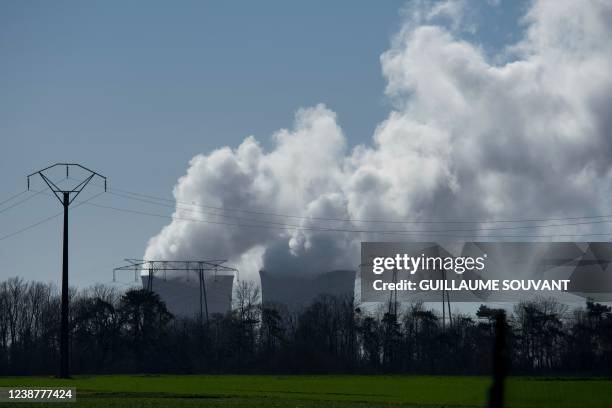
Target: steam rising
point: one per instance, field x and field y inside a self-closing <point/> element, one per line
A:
<point x="466" y="139"/>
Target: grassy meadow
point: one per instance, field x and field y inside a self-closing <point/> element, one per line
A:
<point x="318" y="391"/>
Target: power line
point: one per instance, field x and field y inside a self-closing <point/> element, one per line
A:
<point x="573" y="224"/>
<point x="30" y="226"/>
<point x="20" y="202"/>
<point x="36" y="192"/>
<point x="343" y="230"/>
<point x="13" y="197"/>
<point x="355" y="220"/>
<point x="44" y="220"/>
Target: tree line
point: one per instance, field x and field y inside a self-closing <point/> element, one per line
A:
<point x="133" y="332"/>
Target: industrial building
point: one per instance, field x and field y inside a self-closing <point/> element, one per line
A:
<point x="299" y="291"/>
<point x="182" y="295"/>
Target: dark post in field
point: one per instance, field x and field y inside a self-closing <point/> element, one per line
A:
<point x="66" y="197"/>
<point x="64" y="330"/>
<point x="496" y="393"/>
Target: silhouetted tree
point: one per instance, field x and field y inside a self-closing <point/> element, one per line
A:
<point x="144" y="323"/>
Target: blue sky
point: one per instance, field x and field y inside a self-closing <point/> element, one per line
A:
<point x="135" y="89"/>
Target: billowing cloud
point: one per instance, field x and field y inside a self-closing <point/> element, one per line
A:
<point x="466" y="139"/>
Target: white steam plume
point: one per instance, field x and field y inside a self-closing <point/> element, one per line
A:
<point x="466" y="139"/>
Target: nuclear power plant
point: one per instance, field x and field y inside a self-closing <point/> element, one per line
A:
<point x="299" y="291"/>
<point x="199" y="289"/>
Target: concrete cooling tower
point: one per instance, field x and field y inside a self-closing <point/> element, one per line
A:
<point x="299" y="291"/>
<point x="182" y="297"/>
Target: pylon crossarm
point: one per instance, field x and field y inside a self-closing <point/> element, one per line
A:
<point x="55" y="189"/>
<point x="77" y="190"/>
<point x="137" y="265"/>
<point x="73" y="192"/>
<point x="67" y="165"/>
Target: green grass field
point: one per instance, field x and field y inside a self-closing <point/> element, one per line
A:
<point x="319" y="391"/>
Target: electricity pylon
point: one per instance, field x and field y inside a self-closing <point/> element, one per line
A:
<point x="200" y="267"/>
<point x="65" y="197"/>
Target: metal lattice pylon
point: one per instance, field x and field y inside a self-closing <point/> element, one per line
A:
<point x="200" y="267"/>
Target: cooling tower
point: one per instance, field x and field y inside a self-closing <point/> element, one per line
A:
<point x="299" y="291"/>
<point x="182" y="297"/>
